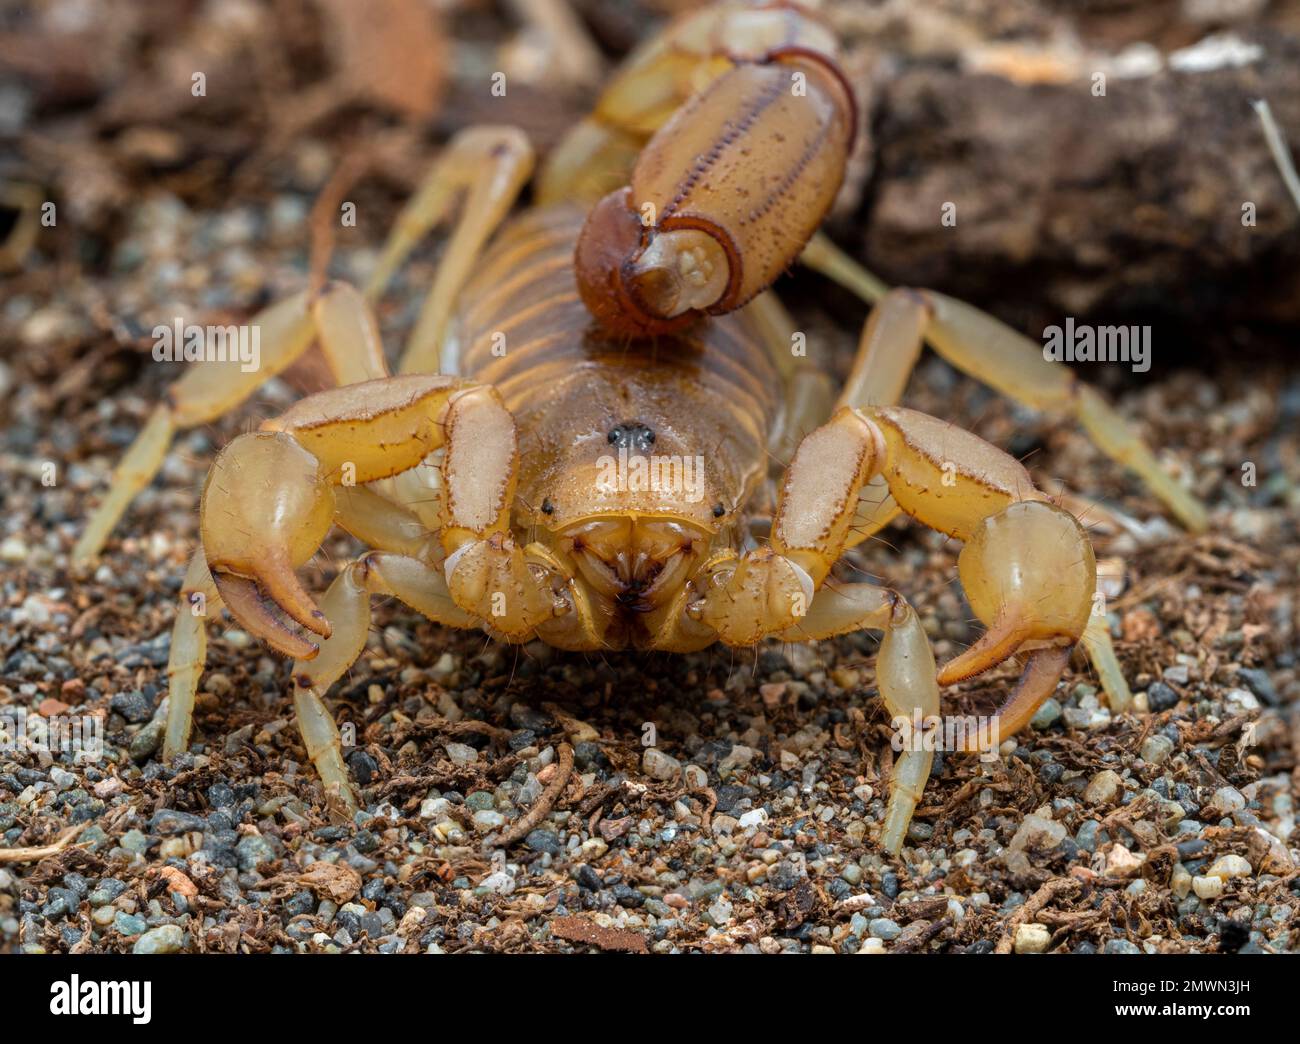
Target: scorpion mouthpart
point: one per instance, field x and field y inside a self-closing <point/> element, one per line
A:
<point x="266" y="618"/>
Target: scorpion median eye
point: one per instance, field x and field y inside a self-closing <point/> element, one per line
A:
<point x="633" y="435"/>
<point x="718" y="510"/>
<point x="547" y="507"/>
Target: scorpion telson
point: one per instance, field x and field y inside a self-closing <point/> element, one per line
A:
<point x="711" y="159"/>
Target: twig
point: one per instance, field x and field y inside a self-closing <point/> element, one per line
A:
<point x="542" y="808"/>
<point x="707" y="818"/>
<point x="27" y="855"/>
<point x="1277" y="146"/>
<point x="914" y="943"/>
<point x="1056" y="886"/>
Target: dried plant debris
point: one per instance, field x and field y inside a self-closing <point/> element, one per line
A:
<point x="510" y="804"/>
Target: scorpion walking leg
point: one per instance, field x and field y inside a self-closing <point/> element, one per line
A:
<point x="189" y="650"/>
<point x="487" y="166"/>
<point x="779" y="589"/>
<point x="271" y="498"/>
<point x="360" y="511"/>
<point x="905" y="675"/>
<point x="1027" y="566"/>
<point x="347" y="606"/>
<point x="1007" y="361"/>
<point x="209" y="389"/>
<point x="890" y="345"/>
<point x="809" y="395"/>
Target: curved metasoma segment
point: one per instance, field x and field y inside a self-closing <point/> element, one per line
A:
<point x="722" y="199"/>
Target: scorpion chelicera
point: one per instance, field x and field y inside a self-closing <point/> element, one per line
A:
<point x="627" y="318"/>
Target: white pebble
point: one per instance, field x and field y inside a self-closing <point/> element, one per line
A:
<point x="461" y="754"/>
<point x="1207" y="887"/>
<point x="1102" y="788"/>
<point x="1229" y="866"/>
<point x="1032" y="938"/>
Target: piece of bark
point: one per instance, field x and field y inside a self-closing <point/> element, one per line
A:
<point x="1072" y="204"/>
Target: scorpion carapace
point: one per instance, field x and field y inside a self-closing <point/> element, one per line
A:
<point x="581" y="452"/>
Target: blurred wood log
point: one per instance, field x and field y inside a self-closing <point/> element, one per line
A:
<point x="1072" y="204"/>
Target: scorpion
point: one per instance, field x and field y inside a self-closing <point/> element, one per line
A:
<point x="627" y="314"/>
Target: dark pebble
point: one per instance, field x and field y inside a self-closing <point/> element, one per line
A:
<point x="728" y="794"/>
<point x="330" y="833"/>
<point x="783" y="876"/>
<point x="169" y="821"/>
<point x="62" y="901"/>
<point x="1160" y="697"/>
<point x="134" y="706"/>
<point x="588" y="878"/>
<point x="220" y="822"/>
<point x="544" y="841"/>
<point x="589" y="756"/>
<point x="302" y="902"/>
<point x="889" y="884"/>
<point x="1260" y="684"/>
<point x="221" y="855"/>
<point x="364" y="767"/>
<point x="76" y="883"/>
<point x="523" y="716"/>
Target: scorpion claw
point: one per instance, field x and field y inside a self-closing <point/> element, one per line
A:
<point x="1008" y="633"/>
<point x="265" y="617"/>
<point x="266" y="508"/>
<point x="1029" y="574"/>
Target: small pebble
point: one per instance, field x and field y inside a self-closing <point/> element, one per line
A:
<point x="1032" y="938"/>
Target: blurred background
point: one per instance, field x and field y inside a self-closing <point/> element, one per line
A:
<point x="1127" y="205"/>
